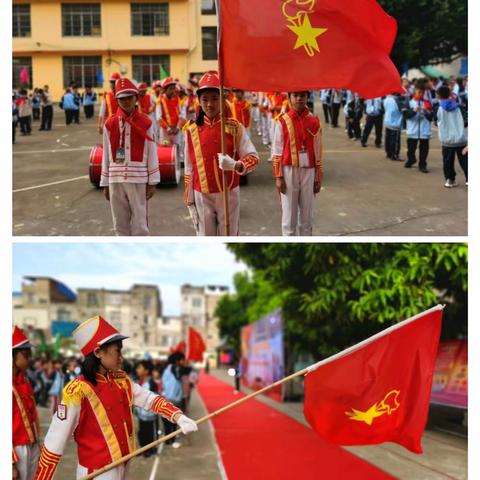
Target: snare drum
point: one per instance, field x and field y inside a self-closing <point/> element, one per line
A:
<point x="168" y="163"/>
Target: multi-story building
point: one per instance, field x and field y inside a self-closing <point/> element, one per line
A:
<point x="169" y="333"/>
<point x="134" y="312"/>
<point x="46" y="305"/>
<point x="198" y="310"/>
<point x="85" y="41"/>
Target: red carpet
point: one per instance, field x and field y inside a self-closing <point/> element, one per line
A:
<point x="257" y="442"/>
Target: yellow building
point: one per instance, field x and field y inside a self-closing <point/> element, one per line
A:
<point x="84" y="41"/>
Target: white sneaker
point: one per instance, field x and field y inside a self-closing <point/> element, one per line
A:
<point x="466" y="183"/>
<point x="450" y="183"/>
<point x="176" y="445"/>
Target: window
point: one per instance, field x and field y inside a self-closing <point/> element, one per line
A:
<point x="208" y="7"/>
<point x="82" y="70"/>
<point x="209" y="43"/>
<point x="145" y="319"/>
<point x="18" y="68"/>
<point x="21" y="21"/>
<point x="146" y="68"/>
<point x="92" y="300"/>
<point x="147" y="301"/>
<point x="196" y="302"/>
<point x="149" y="19"/>
<point x="81" y="20"/>
<point x="63" y="315"/>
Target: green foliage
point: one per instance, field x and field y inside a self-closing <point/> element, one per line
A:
<point x="429" y="31"/>
<point x="253" y="299"/>
<point x="335" y="295"/>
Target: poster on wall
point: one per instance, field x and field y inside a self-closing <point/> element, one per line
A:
<point x="450" y="381"/>
<point x="262" y="361"/>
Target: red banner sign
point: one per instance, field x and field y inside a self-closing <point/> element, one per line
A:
<point x="450" y="381"/>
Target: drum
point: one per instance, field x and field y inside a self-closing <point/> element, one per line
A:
<point x="168" y="163"/>
<point x="95" y="166"/>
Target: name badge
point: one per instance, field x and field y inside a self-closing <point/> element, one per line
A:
<point x="120" y="156"/>
<point x="303" y="159"/>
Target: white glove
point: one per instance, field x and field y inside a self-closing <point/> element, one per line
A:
<point x="226" y="162"/>
<point x="187" y="424"/>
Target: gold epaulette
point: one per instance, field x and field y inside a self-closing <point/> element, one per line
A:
<point x="73" y="392"/>
<point x="187" y="125"/>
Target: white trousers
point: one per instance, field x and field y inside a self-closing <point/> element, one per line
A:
<point x="265" y="129"/>
<point x="28" y="456"/>
<point x="211" y="213"/>
<point x="118" y="473"/>
<point x="128" y="202"/>
<point x="297" y="202"/>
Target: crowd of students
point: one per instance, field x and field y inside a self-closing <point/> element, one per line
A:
<point x="424" y="103"/>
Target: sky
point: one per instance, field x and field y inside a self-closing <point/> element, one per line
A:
<point x="120" y="265"/>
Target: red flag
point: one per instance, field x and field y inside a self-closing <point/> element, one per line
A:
<point x="179" y="347"/>
<point x="293" y="45"/>
<point x="195" y="345"/>
<point x="379" y="390"/>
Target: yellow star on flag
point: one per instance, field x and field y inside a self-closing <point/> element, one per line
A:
<point x="307" y="35"/>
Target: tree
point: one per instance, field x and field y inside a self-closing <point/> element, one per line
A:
<point x="335" y="295"/>
<point x="253" y="299"/>
<point x="429" y="31"/>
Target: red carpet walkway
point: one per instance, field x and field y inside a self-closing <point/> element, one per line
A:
<point x="257" y="442"/>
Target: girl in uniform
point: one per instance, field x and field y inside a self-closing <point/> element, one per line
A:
<point x="97" y="408"/>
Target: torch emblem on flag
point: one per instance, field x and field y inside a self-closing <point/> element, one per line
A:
<point x="387" y="406"/>
<point x="296" y="12"/>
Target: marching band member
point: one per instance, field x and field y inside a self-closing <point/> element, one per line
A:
<point x="130" y="164"/>
<point x="240" y="109"/>
<point x="204" y="162"/>
<point x="109" y="104"/>
<point x="192" y="105"/>
<point x="155" y="95"/>
<point x="168" y="112"/>
<point x="277" y="105"/>
<point x="297" y="164"/>
<point x="25" y="423"/>
<point x="97" y="408"/>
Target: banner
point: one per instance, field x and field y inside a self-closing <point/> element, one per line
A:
<point x="450" y="381"/>
<point x="262" y="361"/>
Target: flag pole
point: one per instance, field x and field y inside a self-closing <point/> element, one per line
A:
<point x="223" y="146"/>
<point x="204" y="419"/>
<point x="223" y="140"/>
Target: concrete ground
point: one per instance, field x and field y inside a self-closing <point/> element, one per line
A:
<point x="196" y="459"/>
<point x="363" y="192"/>
<point x="444" y="457"/>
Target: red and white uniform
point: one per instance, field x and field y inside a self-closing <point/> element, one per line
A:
<point x="108" y="108"/>
<point x="203" y="177"/>
<point x="100" y="418"/>
<point x="167" y="113"/>
<point x="25" y="428"/>
<point x="241" y="111"/>
<point x="277" y="105"/>
<point x="144" y="104"/>
<point x="192" y="107"/>
<point x="128" y="177"/>
<point x="297" y="153"/>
